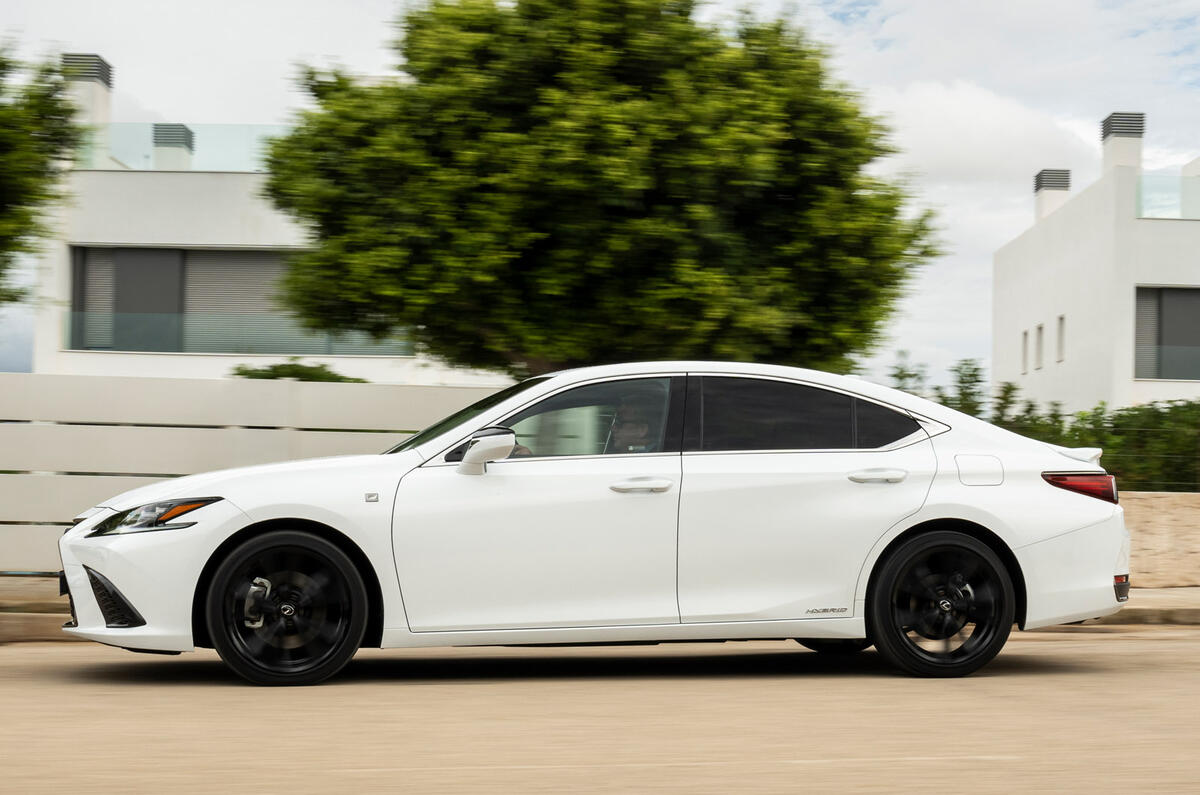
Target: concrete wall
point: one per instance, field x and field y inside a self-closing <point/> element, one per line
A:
<point x="1164" y="531"/>
<point x="68" y="442"/>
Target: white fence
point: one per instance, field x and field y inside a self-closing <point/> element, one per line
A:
<point x="68" y="442"/>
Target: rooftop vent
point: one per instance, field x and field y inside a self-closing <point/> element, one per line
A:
<point x="1051" y="188"/>
<point x="1124" y="125"/>
<point x="179" y="135"/>
<point x="87" y="66"/>
<point x="1052" y="179"/>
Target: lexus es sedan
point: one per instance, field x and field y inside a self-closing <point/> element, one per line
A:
<point x="679" y="501"/>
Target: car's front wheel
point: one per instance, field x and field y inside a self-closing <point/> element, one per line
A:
<point x="286" y="607"/>
<point x="942" y="605"/>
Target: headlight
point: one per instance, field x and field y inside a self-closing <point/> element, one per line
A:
<point x="155" y="516"/>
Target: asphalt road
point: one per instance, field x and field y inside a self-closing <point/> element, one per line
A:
<point x="1093" y="708"/>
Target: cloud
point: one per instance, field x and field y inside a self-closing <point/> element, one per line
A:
<point x="963" y="133"/>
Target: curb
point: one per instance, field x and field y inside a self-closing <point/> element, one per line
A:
<point x="34" y="628"/>
<point x="1152" y="615"/>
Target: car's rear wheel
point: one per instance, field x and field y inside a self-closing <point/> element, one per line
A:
<point x="835" y="645"/>
<point x="942" y="605"/>
<point x="286" y="608"/>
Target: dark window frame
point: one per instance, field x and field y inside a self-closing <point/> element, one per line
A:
<point x="693" y="432"/>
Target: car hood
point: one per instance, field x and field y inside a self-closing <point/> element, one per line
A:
<point x="212" y="484"/>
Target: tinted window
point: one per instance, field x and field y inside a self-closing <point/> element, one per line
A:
<point x="628" y="416"/>
<point x="878" y="426"/>
<point x="752" y="414"/>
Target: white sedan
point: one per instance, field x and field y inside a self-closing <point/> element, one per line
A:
<point x="682" y="501"/>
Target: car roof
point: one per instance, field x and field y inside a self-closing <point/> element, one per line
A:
<point x="855" y="384"/>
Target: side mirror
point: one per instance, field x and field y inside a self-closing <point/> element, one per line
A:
<point x="487" y="444"/>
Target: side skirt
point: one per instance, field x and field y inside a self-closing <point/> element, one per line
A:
<point x="652" y="633"/>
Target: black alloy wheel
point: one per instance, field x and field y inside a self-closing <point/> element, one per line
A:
<point x="287" y="608"/>
<point x="835" y="645"/>
<point x="942" y="605"/>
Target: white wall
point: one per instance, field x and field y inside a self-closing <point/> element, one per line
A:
<point x="183" y="209"/>
<point x="1063" y="265"/>
<point x="68" y="442"/>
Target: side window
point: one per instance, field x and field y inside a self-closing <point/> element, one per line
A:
<point x="877" y="426"/>
<point x="628" y="416"/>
<point x="754" y="414"/>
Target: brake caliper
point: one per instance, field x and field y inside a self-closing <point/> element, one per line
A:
<point x="260" y="589"/>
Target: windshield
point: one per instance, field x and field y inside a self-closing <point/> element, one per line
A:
<point x="459" y="417"/>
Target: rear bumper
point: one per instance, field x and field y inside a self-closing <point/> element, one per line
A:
<point x="1070" y="577"/>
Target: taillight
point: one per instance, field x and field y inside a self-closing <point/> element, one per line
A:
<point x="1103" y="487"/>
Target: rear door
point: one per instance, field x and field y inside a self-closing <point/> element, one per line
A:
<point x="786" y="487"/>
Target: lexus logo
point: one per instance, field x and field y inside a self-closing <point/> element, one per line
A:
<point x="945" y="605"/>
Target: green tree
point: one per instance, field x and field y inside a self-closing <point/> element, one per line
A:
<point x="551" y="183"/>
<point x="907" y="375"/>
<point x="1004" y="403"/>
<point x="37" y="139"/>
<point x="968" y="395"/>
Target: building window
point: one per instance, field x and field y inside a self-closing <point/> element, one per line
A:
<point x="1037" y="349"/>
<point x="1062" y="338"/>
<point x="1024" y="352"/>
<point x="1167" y="333"/>
<point x="195" y="301"/>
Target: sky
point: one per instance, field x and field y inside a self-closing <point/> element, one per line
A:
<point x="978" y="98"/>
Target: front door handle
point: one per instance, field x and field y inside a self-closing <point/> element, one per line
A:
<point x="642" y="484"/>
<point x="878" y="475"/>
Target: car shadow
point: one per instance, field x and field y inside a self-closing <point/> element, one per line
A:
<point x="408" y="668"/>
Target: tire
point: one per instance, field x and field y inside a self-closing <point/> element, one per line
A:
<point x="942" y="605"/>
<point x="835" y="645"/>
<point x="286" y="608"/>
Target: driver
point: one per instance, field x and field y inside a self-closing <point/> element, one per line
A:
<point x="631" y="426"/>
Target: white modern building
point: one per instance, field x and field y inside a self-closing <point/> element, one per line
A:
<point x="1100" y="299"/>
<point x="166" y="260"/>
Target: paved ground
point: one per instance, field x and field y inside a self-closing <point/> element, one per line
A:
<point x="1098" y="708"/>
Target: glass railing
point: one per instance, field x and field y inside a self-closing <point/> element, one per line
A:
<point x="1170" y="362"/>
<point x="178" y="147"/>
<point x="220" y="332"/>
<point x="1168" y="196"/>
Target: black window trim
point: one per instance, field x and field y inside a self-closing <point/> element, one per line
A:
<point x="675" y="422"/>
<point x="693" y="435"/>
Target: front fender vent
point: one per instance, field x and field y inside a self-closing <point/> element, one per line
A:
<point x="117" y="612"/>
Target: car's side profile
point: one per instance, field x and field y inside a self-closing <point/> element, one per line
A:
<point x="626" y="503"/>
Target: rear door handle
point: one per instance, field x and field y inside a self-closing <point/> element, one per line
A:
<point x="642" y="484"/>
<point x="878" y="475"/>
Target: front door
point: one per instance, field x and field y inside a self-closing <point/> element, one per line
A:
<point x="576" y="529"/>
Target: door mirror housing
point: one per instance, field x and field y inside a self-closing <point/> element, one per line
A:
<point x="487" y="444"/>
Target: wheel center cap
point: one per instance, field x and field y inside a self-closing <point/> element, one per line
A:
<point x="945" y="604"/>
<point x="287" y="610"/>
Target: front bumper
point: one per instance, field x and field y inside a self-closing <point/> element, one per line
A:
<point x="136" y="591"/>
